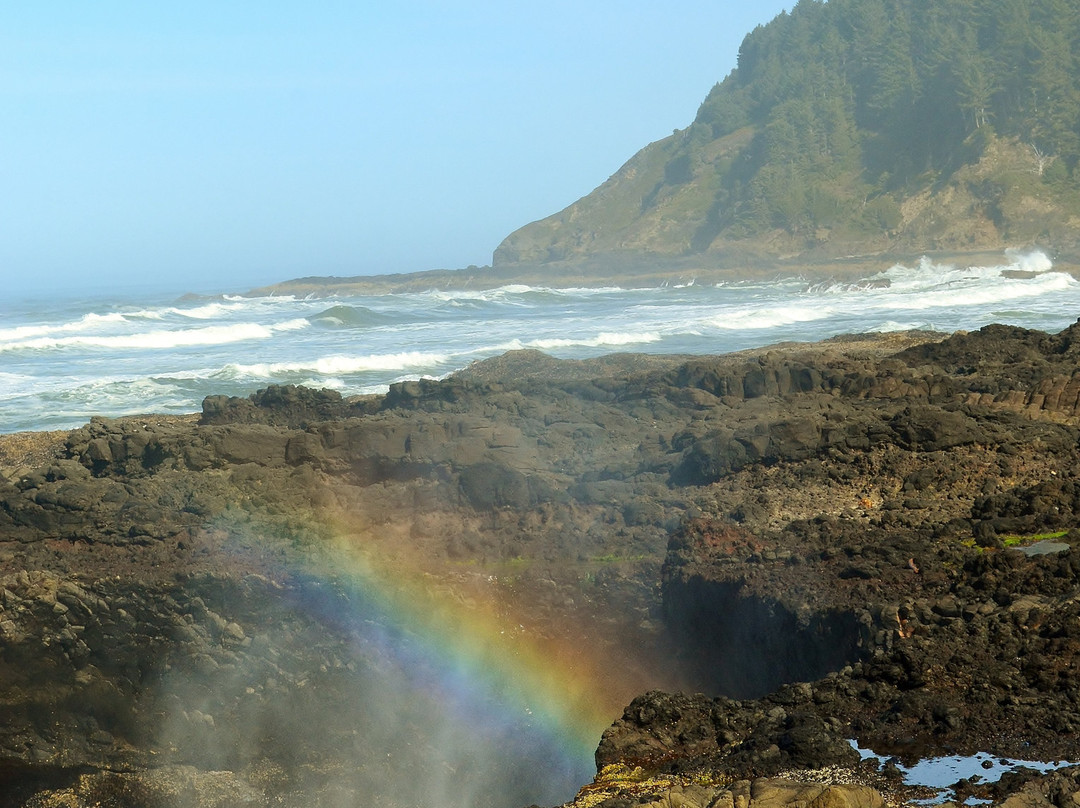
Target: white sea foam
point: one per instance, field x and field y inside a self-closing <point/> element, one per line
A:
<point x="88" y="322"/>
<point x="230" y="305"/>
<point x="66" y="402"/>
<point x="588" y="291"/>
<point x="930" y="286"/>
<point x="211" y="335"/>
<point x="15" y="384"/>
<point x="326" y="382"/>
<point x="958" y="289"/>
<point x="205" y="312"/>
<point x="93" y="320"/>
<point x="768" y="317"/>
<point x="331" y="366"/>
<point x="499" y="348"/>
<point x="789" y="284"/>
<point x="273" y="300"/>
<point x="457" y="295"/>
<point x="146" y="314"/>
<point x="160" y="339"/>
<point x="297" y="324"/>
<point x="608" y="339"/>
<point x="1029" y="261"/>
<point x="514" y="291"/>
<point x="927" y="274"/>
<point x="116" y="395"/>
<point x="24" y="332"/>
<point x="522" y="290"/>
<point x="893" y="325"/>
<point x="223" y="308"/>
<point x="603" y="340"/>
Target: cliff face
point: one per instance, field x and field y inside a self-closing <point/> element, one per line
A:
<point x="179" y="624"/>
<point x="851" y="128"/>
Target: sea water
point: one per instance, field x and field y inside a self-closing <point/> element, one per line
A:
<point x="64" y="358"/>
<point x="942" y="774"/>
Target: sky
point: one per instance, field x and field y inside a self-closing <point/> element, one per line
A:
<point x="216" y="146"/>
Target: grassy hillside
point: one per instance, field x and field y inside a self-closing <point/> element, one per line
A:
<point x="854" y="127"/>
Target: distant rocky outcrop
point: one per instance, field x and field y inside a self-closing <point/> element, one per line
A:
<point x="867" y="538"/>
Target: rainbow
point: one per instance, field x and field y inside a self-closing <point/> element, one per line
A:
<point x="541" y="700"/>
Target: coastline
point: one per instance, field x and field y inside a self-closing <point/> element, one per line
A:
<point x="114" y="359"/>
<point x="637" y="271"/>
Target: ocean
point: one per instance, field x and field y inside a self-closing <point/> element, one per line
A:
<point x="64" y="358"/>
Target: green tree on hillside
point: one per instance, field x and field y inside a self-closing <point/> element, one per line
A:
<point x="852" y="100"/>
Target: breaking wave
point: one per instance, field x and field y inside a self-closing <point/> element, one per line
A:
<point x="87" y="322"/>
<point x="334" y="365"/>
<point x="158" y="339"/>
<point x="604" y="340"/>
<point x="769" y="317"/>
<point x="84" y="357"/>
<point x="343" y="316"/>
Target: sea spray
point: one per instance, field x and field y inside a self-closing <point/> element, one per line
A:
<point x="437" y="692"/>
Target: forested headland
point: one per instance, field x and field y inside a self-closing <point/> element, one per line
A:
<point x="855" y="127"/>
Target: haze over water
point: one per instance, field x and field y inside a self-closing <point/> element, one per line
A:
<point x="65" y="359"/>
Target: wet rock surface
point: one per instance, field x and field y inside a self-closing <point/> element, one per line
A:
<point x="824" y="540"/>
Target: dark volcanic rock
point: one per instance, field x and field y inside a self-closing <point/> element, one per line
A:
<point x="281" y="405"/>
<point x="668" y="732"/>
<point x="825" y="532"/>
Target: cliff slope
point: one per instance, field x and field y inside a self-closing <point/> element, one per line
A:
<point x="850" y="128"/>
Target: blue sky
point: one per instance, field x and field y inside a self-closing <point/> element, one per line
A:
<point x="217" y="146"/>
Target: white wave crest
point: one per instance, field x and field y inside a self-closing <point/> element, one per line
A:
<point x="485" y="295"/>
<point x="24" y="332"/>
<point x="893" y="325"/>
<point x="88" y="322"/>
<point x="207" y="311"/>
<point x="150" y="340"/>
<point x="512" y="291"/>
<point x="768" y="317"/>
<point x="1030" y="261"/>
<point x="261" y="299"/>
<point x="929" y="274"/>
<point x="220" y="308"/>
<point x="608" y="339"/>
<point x="589" y="291"/>
<point x="297" y="324"/>
<point x="160" y="339"/>
<point x="332" y="366"/>
<point x="977" y="286"/>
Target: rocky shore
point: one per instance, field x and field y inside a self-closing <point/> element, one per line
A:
<point x="646" y="270"/>
<point x="771" y="553"/>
